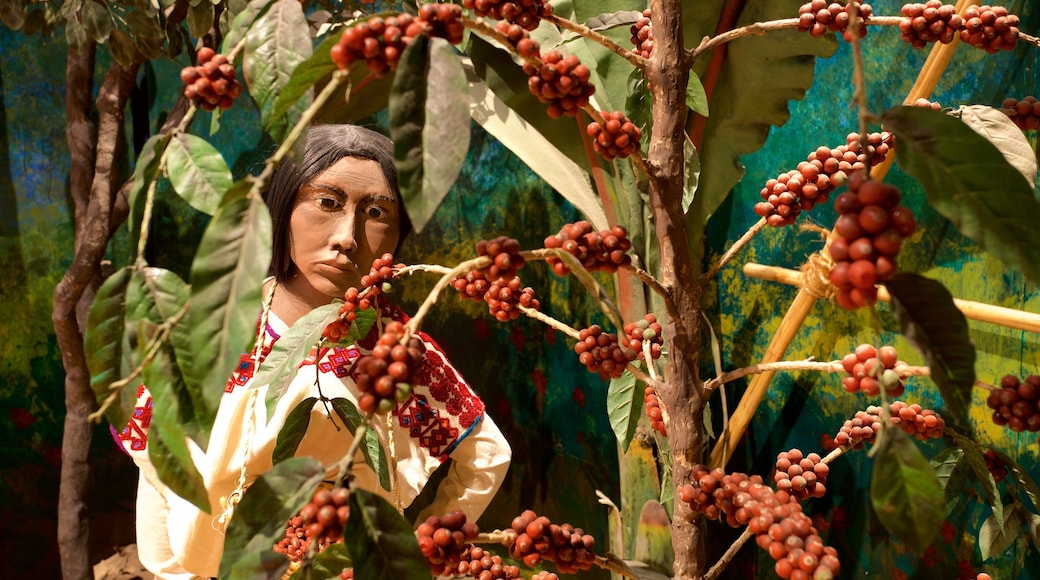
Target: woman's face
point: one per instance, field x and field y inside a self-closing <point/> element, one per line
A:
<point x="342" y="220"/>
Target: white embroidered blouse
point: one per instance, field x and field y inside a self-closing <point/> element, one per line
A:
<point x="443" y="418"/>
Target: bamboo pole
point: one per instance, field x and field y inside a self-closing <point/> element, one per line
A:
<point x="927" y="79"/>
<point x="999" y="315"/>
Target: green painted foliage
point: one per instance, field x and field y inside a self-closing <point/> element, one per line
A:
<point x="103" y="343"/>
<point x="197" y="172"/>
<point x="275" y="45"/>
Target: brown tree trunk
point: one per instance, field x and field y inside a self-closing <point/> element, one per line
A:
<point x="95" y="167"/>
<point x="682" y="394"/>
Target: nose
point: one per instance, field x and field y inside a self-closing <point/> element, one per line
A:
<point x="344" y="234"/>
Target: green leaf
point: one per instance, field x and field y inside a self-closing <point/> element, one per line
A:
<point x="624" y="407"/>
<point x="318" y="66"/>
<point x="168" y="453"/>
<point x="905" y="492"/>
<point x="243" y="21"/>
<point x="145" y="172"/>
<point x="260" y="518"/>
<point x="144" y="26"/>
<point x="1002" y="132"/>
<point x="930" y="320"/>
<point x="758" y="78"/>
<point x="96" y="20"/>
<point x="1023" y="479"/>
<point x="429" y="124"/>
<point x="382" y="544"/>
<point x="197" y="172"/>
<point x="692" y="163"/>
<point x="226" y="277"/>
<point x="283" y="362"/>
<point x="372" y="449"/>
<point x="103" y="343"/>
<point x="977" y="463"/>
<point x="696" y="98"/>
<point x="122" y="47"/>
<point x="329" y="563"/>
<point x="536" y="151"/>
<point x="200" y="19"/>
<point x="967" y="180"/>
<point x="292" y="432"/>
<point x="608" y="20"/>
<point x="1033" y="524"/>
<point x="950" y="475"/>
<point x="995" y="538"/>
<point x="275" y="45"/>
<point x="12" y="13"/>
<point x="76" y="35"/>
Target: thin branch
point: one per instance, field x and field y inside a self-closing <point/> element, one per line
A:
<point x="648" y="279"/>
<point x="344" y="466"/>
<point x="463" y="268"/>
<point x="636" y="156"/>
<point x="1029" y="38"/>
<point x="584" y="31"/>
<point x="480" y="25"/>
<point x="549" y="321"/>
<point x="727" y="557"/>
<point x="859" y="94"/>
<point x="735" y="249"/>
<point x="806" y="365"/>
<point x="758" y="29"/>
<point x="986" y="386"/>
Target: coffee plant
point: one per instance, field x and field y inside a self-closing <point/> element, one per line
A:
<point x="658" y="173"/>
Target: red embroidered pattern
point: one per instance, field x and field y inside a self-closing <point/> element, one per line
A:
<point x="246" y="368"/>
<point x="136" y="430"/>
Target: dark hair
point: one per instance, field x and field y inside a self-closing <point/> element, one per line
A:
<point x="326" y="144"/>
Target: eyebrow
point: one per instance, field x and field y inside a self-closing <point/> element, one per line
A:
<point x="365" y="197"/>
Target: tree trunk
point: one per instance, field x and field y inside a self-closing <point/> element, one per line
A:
<point x="682" y="394"/>
<point x="92" y="214"/>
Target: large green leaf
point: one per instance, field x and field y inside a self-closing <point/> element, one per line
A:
<point x="375" y="457"/>
<point x="259" y="520"/>
<point x="995" y="536"/>
<point x="97" y="20"/>
<point x="382" y="544"/>
<point x="759" y="75"/>
<point x="122" y="47"/>
<point x="1004" y="134"/>
<point x="145" y="172"/>
<point x="280" y="365"/>
<point x="1023" y="479"/>
<point x="968" y="180"/>
<point x="932" y="323"/>
<point x="317" y="67"/>
<point x="429" y="124"/>
<point x="103" y="343"/>
<point x="197" y="172"/>
<point x="976" y="462"/>
<point x="904" y="491"/>
<point x="200" y="18"/>
<point x="949" y="472"/>
<point x="624" y="406"/>
<point x="226" y="277"/>
<point x="292" y="432"/>
<point x="167" y="442"/>
<point x="327" y="564"/>
<point x="536" y="151"/>
<point x="275" y="45"/>
<point x="243" y="20"/>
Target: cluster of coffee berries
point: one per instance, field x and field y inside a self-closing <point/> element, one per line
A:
<point x="602" y="251"/>
<point x="926" y="104"/>
<point x="653" y="410"/>
<point x="932" y="21"/>
<point x="1016" y="403"/>
<point x="538" y="539"/>
<point x="353" y="301"/>
<point x="862" y="428"/>
<point x="385" y="377"/>
<point x="321" y="521"/>
<point x="600" y="352"/>
<point x="502" y="299"/>
<point x="869" y="369"/>
<point x="819" y="16"/>
<point x="383" y="271"/>
<point x="519" y="39"/>
<point x="378" y="42"/>
<point x="995" y="465"/>
<point x="443" y="20"/>
<point x="870" y="230"/>
<point x="921" y="424"/>
<point x="645" y="329"/>
<point x="523" y="13"/>
<point x="478" y="563"/>
<point x="775" y="517"/>
<point x="803" y="476"/>
<point x="1025" y="113"/>
<point x="990" y="28"/>
<point x="823" y="171"/>
<point x="212" y="83"/>
<point x="346" y="574"/>
<point x="505" y="257"/>
<point x="562" y="82"/>
<point x="642" y="36"/>
<point x="443" y="541"/>
<point x="545" y="575"/>
<point x="617" y="136"/>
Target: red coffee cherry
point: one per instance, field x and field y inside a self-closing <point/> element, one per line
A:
<point x="642" y="35"/>
<point x="617" y="136"/>
<point x="386" y="375"/>
<point x="378" y="42"/>
<point x="212" y="82"/>
<point x="524" y="13"/>
<point x="604" y="251"/>
<point x="560" y="81"/>
<point x="932" y="21"/>
<point x="818" y="17"/>
<point x="990" y="28"/>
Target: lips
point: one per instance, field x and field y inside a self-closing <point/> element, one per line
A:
<point x="337" y="268"/>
